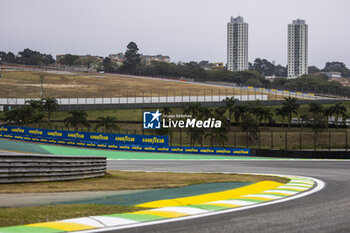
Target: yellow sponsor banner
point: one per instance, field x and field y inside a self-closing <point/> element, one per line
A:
<point x="299" y="93"/>
<point x="18" y="137"/>
<point x="99" y="137"/>
<point x="43" y="140"/>
<point x="80" y="144"/>
<point x="312" y="94"/>
<point x="35" y="132"/>
<point x="207" y="151"/>
<point x="113" y="146"/>
<point x="91" y="144"/>
<point x="8" y="136"/>
<point x="75" y="135"/>
<point x="177" y="149"/>
<point x="136" y="148"/>
<point x="223" y="151"/>
<point x="250" y="87"/>
<point x="35" y="139"/>
<point x="124" y="147"/>
<point x="17" y="130"/>
<point x="54" y="134"/>
<point x="3" y="129"/>
<point x="163" y="149"/>
<point x="153" y="140"/>
<point x="285" y="91"/>
<point x="26" y="138"/>
<point x="191" y="150"/>
<point x="124" y="139"/>
<point x="150" y="148"/>
<point x="102" y="145"/>
<point x="70" y="143"/>
<point x="52" y="141"/>
<point x="61" y="142"/>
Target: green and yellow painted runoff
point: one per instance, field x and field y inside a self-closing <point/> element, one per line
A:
<point x="179" y="207"/>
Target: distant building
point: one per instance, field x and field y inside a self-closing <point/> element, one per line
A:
<point x="333" y="74"/>
<point x="117" y="58"/>
<point x="237" y="44"/>
<point x="148" y="59"/>
<point x="297" y="48"/>
<point x="217" y="66"/>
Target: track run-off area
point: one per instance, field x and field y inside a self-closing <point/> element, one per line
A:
<point x="324" y="210"/>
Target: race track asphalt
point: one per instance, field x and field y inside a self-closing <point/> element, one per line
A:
<point x="325" y="211"/>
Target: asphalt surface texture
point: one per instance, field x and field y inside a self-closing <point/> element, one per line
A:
<point x="325" y="211"/>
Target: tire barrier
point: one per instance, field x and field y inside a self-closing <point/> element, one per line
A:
<point x="35" y="168"/>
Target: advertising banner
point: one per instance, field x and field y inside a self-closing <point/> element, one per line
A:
<point x="145" y="143"/>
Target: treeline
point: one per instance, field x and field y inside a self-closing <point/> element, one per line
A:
<point x="27" y="57"/>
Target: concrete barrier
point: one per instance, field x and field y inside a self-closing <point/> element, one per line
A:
<point x="35" y="168"/>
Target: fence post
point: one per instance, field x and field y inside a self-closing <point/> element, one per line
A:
<point x="329" y="140"/>
<point x="259" y="142"/>
<point x="300" y="139"/>
<point x="271" y="140"/>
<point x="285" y="140"/>
<point x="180" y="137"/>
<point x="346" y="138"/>
<point x="246" y="139"/>
<point x="314" y="140"/>
<point x="235" y="138"/>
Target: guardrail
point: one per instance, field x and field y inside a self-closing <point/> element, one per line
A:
<point x="34" y="168"/>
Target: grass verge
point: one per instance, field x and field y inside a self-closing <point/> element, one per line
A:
<point x="123" y="180"/>
<point x="28" y="215"/>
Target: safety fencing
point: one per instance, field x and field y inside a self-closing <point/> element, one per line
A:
<point x="35" y="168"/>
<point x="127" y="142"/>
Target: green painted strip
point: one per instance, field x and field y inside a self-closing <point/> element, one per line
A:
<point x="249" y="199"/>
<point x="137" y="217"/>
<point x="28" y="229"/>
<point x="209" y="207"/>
<point x="293" y="190"/>
<point x="13" y="145"/>
<point x="160" y="194"/>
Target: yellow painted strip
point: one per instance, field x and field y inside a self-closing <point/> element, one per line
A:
<point x="166" y="214"/>
<point x="64" y="226"/>
<point x="210" y="197"/>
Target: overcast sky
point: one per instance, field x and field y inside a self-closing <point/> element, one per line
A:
<point x="185" y="30"/>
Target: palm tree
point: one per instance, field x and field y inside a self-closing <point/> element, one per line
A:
<point x="107" y="123"/>
<point x="291" y="106"/>
<point x="192" y="109"/>
<point x="317" y="110"/>
<point x="281" y="112"/>
<point x="230" y="105"/>
<point x="36" y="105"/>
<point x="166" y="111"/>
<point x="328" y="112"/>
<point x="338" y="109"/>
<point x="239" y="111"/>
<point x="50" y="105"/>
<point x="78" y="117"/>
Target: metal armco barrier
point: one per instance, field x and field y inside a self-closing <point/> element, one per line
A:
<point x="35" y="168"/>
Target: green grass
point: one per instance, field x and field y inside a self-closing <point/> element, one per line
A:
<point x="36" y="214"/>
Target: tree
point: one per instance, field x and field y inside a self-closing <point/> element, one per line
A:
<point x="36" y="105"/>
<point x="281" y="112"/>
<point x="132" y="57"/>
<point x="108" y="65"/>
<point x="77" y="118"/>
<point x="338" y="109"/>
<point x="107" y="123"/>
<point x="239" y="111"/>
<point x="50" y="105"/>
<point x="250" y="126"/>
<point x="318" y="112"/>
<point x="336" y="66"/>
<point x="313" y="70"/>
<point x="291" y="106"/>
<point x="230" y="106"/>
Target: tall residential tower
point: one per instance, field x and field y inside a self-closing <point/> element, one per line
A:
<point x="297" y="48"/>
<point x="237" y="44"/>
